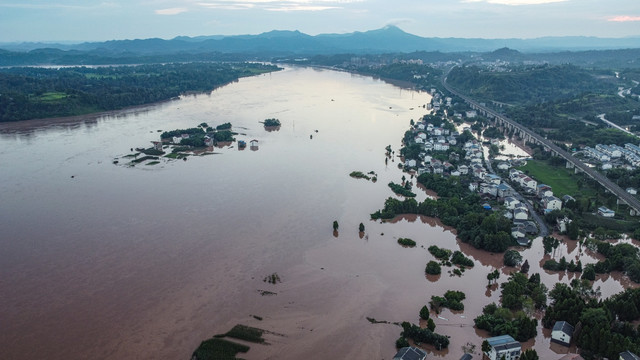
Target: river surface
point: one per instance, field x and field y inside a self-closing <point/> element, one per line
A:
<point x="107" y="261"/>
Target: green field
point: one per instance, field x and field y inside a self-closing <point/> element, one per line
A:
<point x="563" y="181"/>
<point x="52" y="96"/>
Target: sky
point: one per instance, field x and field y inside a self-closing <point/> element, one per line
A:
<point x="97" y="20"/>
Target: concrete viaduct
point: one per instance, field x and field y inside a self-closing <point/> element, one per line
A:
<point x="532" y="137"/>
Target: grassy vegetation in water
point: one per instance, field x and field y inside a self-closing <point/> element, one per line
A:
<point x="406" y="242"/>
<point x="246" y="333"/>
<point x="218" y="349"/>
<point x="400" y="190"/>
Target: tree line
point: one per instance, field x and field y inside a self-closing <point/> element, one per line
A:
<point x="29" y="93"/>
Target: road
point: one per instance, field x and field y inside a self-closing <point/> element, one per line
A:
<point x="601" y="117"/>
<point x="629" y="199"/>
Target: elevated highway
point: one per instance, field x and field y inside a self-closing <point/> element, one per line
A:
<point x="531" y="136"/>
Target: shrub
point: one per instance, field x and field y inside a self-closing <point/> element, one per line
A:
<point x="442" y="254"/>
<point x="433" y="268"/>
<point x="401" y="342"/>
<point x="512" y="258"/>
<point x="458" y="258"/>
<point x="406" y="242"/>
<point x="424" y="313"/>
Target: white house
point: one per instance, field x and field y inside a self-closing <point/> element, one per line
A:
<point x="441" y="147"/>
<point x="520" y="214"/>
<point x="471" y="114"/>
<point x="504" y="190"/>
<point x="503" y="166"/>
<point x="479" y="173"/>
<point x="473" y="186"/>
<point x="410" y="163"/>
<point x="410" y="353"/>
<point x="544" y="190"/>
<point x="510" y="202"/>
<point x="517" y="232"/>
<point x="562" y="223"/>
<point x="464" y="169"/>
<point x="605" y="212"/>
<point x="561" y="333"/>
<point x="632" y="191"/>
<point x="607" y="166"/>
<point x="528" y="183"/>
<point x="490" y="189"/>
<point x="208" y="140"/>
<point x="552" y="203"/>
<point x="492" y="178"/>
<point x="503" y="346"/>
<point x="514" y="174"/>
<point x="476" y="161"/>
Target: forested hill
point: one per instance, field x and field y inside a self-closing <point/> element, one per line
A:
<point x="527" y="85"/>
<point x="30" y="93"/>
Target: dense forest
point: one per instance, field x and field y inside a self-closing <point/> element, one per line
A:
<point x="520" y="295"/>
<point x="528" y="85"/>
<point x="458" y="207"/>
<point x="574" y="120"/>
<point x="30" y="93"/>
<point x="603" y="328"/>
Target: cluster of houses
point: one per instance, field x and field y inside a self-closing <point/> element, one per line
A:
<point x="507" y="348"/>
<point x="544" y="192"/>
<point x="208" y="142"/>
<point x="608" y="154"/>
<point x="434" y="139"/>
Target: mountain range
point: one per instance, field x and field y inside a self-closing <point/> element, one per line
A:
<point x="294" y="43"/>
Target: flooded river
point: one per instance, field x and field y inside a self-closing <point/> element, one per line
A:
<point x="106" y="261"/>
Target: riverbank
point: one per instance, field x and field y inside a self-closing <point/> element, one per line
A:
<point x="82" y="90"/>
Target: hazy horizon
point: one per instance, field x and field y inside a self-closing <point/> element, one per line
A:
<point x="73" y="21"/>
<point x="72" y="42"/>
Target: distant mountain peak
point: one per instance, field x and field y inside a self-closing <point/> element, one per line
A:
<point x="505" y="51"/>
<point x="282" y="34"/>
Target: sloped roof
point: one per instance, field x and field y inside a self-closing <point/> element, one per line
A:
<point x="500" y="340"/>
<point x="563" y="326"/>
<point x="410" y="353"/>
<point x="628" y="355"/>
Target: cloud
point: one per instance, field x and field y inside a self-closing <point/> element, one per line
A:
<point x="515" y="2"/>
<point x="624" y="18"/>
<point x="398" y="22"/>
<point x="48" y="6"/>
<point x="171" y="11"/>
<point x="302" y="8"/>
<point x="277" y="5"/>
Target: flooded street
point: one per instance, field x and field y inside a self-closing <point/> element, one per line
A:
<point x="110" y="262"/>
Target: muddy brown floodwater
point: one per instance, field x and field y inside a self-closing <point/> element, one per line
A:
<point x="109" y="262"/>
